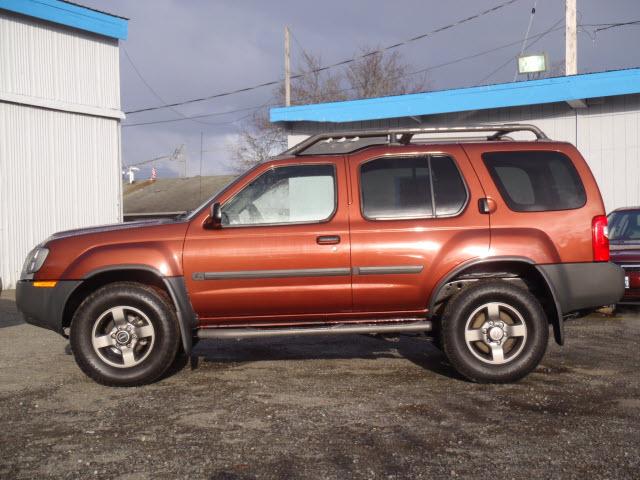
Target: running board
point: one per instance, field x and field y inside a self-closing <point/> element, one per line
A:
<point x="415" y="327"/>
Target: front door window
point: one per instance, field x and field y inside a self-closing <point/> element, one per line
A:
<point x="284" y="195"/>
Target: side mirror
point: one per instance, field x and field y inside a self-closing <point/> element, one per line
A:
<point x="216" y="216"/>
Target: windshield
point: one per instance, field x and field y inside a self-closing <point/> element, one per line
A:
<point x="624" y="225"/>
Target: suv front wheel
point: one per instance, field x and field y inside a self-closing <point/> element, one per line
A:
<point x="494" y="332"/>
<point x="125" y="334"/>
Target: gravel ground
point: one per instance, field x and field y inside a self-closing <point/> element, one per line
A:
<point x="347" y="407"/>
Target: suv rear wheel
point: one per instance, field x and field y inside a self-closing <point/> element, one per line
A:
<point x="494" y="332"/>
<point x="125" y="334"/>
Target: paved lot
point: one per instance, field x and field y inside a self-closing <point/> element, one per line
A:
<point x="353" y="407"/>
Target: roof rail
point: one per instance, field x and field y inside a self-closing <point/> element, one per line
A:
<point x="346" y="142"/>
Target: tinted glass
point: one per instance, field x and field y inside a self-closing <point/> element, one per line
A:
<point x="396" y="188"/>
<point x="536" y="181"/>
<point x="624" y="225"/>
<point x="449" y="190"/>
<point x="299" y="193"/>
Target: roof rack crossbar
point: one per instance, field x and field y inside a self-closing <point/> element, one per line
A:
<point x="404" y="135"/>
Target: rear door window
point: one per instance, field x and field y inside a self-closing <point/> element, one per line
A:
<point x="536" y="181"/>
<point x="396" y="188"/>
<point x="450" y="193"/>
<point x="411" y="187"/>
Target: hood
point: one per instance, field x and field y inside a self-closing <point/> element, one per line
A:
<point x="112" y="227"/>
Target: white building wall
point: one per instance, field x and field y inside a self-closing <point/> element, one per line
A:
<point x="48" y="61"/>
<point x="606" y="133"/>
<point x="60" y="116"/>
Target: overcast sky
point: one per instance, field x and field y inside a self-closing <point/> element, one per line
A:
<point x="193" y="48"/>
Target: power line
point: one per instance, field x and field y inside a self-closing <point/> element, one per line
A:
<point x="526" y="35"/>
<point x="171" y="120"/>
<point x="334" y="65"/>
<point x="156" y="94"/>
<point x="540" y="37"/>
<point x="535" y="37"/>
<point x="606" y="26"/>
<point x="305" y="54"/>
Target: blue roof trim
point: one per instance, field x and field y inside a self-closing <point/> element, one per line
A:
<point x="548" y="90"/>
<point x="70" y="15"/>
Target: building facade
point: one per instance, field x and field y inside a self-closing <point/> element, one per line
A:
<point x="599" y="113"/>
<point x="60" y="156"/>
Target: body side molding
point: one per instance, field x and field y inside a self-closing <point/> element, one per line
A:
<point x="388" y="270"/>
<point x="285" y="273"/>
<point x="307" y="272"/>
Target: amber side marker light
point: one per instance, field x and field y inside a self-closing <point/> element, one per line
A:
<point x="45" y="284"/>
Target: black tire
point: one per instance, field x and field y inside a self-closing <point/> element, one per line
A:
<point x="154" y="357"/>
<point x="469" y="357"/>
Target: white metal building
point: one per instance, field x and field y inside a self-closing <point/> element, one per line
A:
<point x="60" y="157"/>
<point x="598" y="112"/>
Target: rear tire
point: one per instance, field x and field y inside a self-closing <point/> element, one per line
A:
<point x="125" y="334"/>
<point x="494" y="332"/>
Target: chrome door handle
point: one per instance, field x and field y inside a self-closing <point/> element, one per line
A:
<point x="328" y="239"/>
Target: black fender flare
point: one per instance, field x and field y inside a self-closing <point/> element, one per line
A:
<point x="177" y="289"/>
<point x="557" y="321"/>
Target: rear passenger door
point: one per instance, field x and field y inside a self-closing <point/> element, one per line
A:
<point x="414" y="217"/>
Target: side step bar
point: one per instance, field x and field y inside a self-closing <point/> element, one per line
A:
<point x="418" y="326"/>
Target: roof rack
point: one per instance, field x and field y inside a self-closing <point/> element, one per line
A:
<point x="347" y="142"/>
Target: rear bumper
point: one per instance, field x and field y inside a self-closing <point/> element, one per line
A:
<point x="44" y="307"/>
<point x="582" y="286"/>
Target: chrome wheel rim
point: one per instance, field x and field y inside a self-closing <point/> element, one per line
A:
<point x="495" y="333"/>
<point x="123" y="336"/>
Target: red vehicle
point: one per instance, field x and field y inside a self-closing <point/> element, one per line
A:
<point x="485" y="244"/>
<point x="624" y="237"/>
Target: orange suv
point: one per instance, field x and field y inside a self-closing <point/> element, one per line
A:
<point x="484" y="243"/>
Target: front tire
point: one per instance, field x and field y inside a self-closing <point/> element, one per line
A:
<point x="494" y="332"/>
<point x="125" y="334"/>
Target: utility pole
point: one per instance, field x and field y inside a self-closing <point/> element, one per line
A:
<point x="201" y="151"/>
<point x="287" y="68"/>
<point x="571" y="40"/>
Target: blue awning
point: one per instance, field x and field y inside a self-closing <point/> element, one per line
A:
<point x="71" y="15"/>
<point x="533" y="92"/>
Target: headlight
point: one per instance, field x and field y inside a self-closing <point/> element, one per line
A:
<point x="34" y="261"/>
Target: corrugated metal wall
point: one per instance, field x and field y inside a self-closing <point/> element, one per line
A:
<point x="58" y="170"/>
<point x="54" y="62"/>
<point x="606" y="133"/>
<point x="55" y="173"/>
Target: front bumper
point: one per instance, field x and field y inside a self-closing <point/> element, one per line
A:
<point x="583" y="286"/>
<point x="44" y="307"/>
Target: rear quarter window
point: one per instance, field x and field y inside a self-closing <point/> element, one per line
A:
<point x="536" y="181"/>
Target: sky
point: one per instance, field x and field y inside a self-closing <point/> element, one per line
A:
<point x="185" y="49"/>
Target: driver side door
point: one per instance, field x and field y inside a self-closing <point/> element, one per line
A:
<point x="282" y="252"/>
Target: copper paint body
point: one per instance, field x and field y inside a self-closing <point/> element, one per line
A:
<point x="438" y="245"/>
